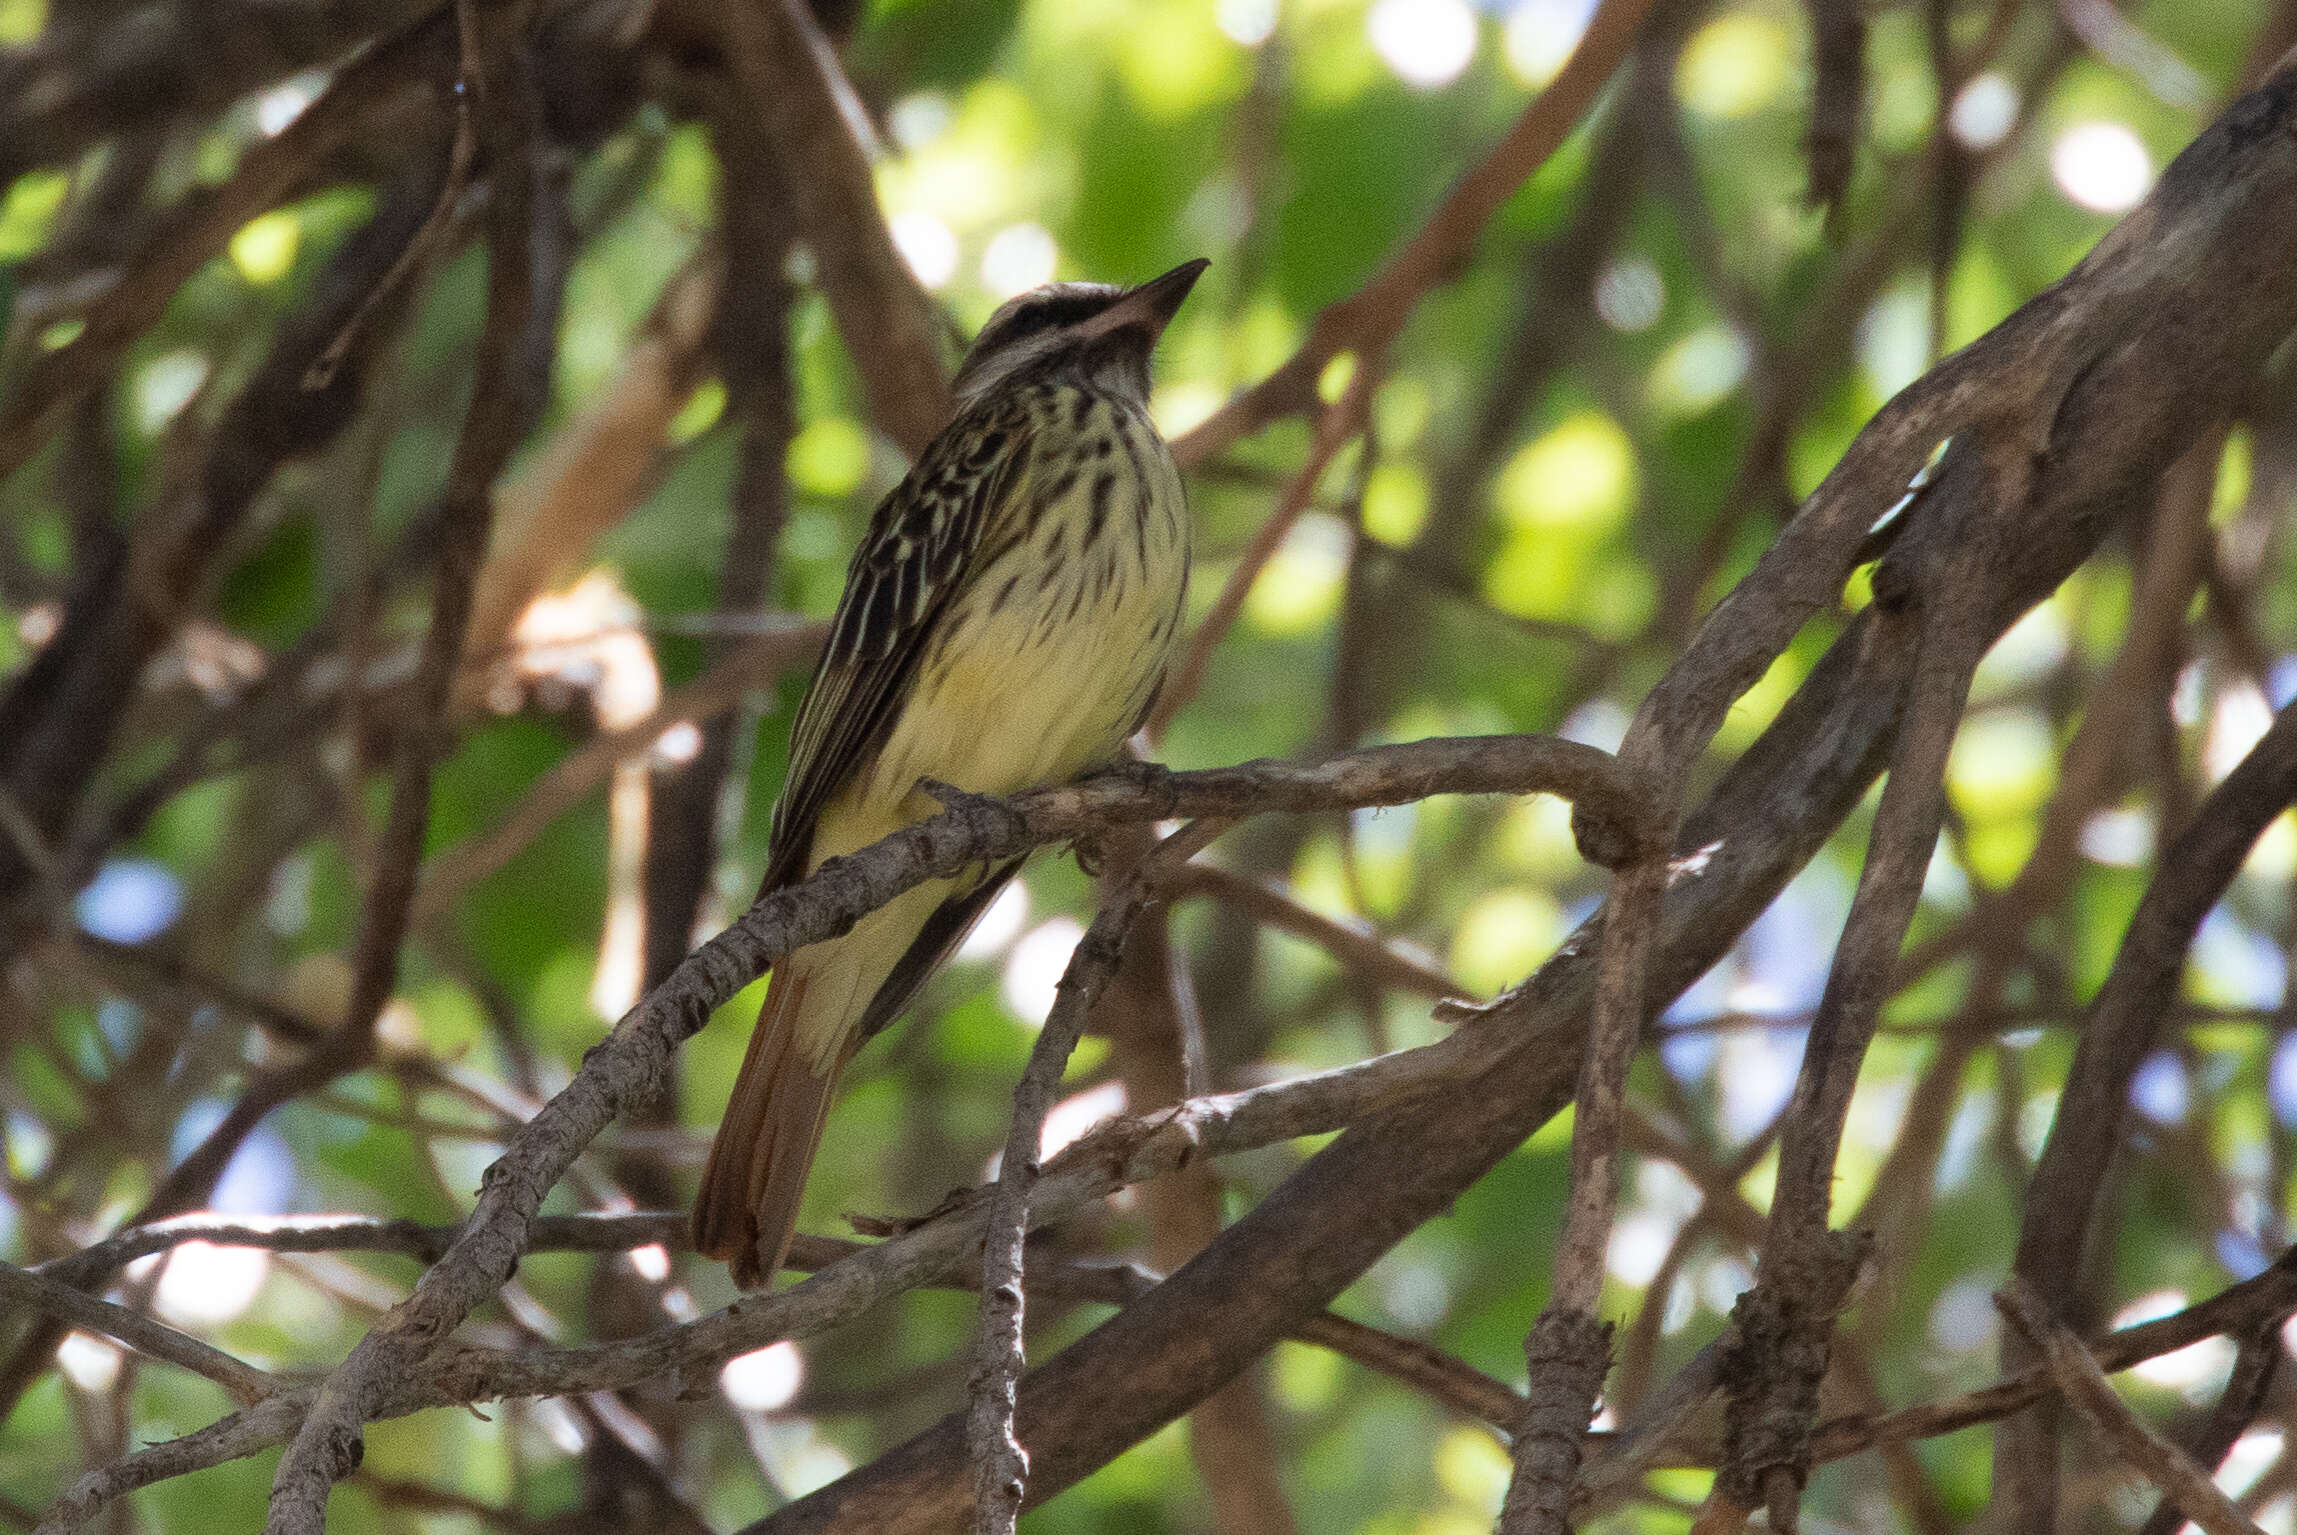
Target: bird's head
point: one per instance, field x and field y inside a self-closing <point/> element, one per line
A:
<point x="1088" y="333"/>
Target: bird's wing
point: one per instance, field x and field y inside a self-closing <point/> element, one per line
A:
<point x="919" y="552"/>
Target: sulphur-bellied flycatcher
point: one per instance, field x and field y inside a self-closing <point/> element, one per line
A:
<point x="1005" y="624"/>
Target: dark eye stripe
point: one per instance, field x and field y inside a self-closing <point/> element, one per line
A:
<point x="1046" y="313"/>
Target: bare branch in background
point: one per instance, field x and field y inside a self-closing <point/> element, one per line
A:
<point x="255" y="644"/>
<point x="1000" y="1462"/>
<point x="2160" y="1462"/>
<point x="597" y="469"/>
<point x="1368" y="320"/>
<point x="36" y="1291"/>
<point x="1568" y="1350"/>
<point x="1838" y="101"/>
<point x="796" y="87"/>
<point x="195" y="233"/>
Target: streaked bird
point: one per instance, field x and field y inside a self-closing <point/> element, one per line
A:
<point x="1005" y="625"/>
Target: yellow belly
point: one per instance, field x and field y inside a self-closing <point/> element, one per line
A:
<point x="1033" y="680"/>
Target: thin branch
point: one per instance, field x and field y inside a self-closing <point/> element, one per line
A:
<point x="2265" y="1300"/>
<point x="2077" y="1373"/>
<point x="1568" y="1350"/>
<point x="246" y="1432"/>
<point x="1001" y="1465"/>
<point x="195" y="233"/>
<point x="1945" y="610"/>
<point x="1353" y="945"/>
<point x="490" y="432"/>
<point x="146" y="1335"/>
<point x="1367" y="320"/>
<point x="460" y="154"/>
<point x="595" y="470"/>
<point x="795" y="86"/>
<point x="491" y="429"/>
<point x="2256" y="1364"/>
<point x="1454" y="1382"/>
<point x="449" y="873"/>
<point x="2132" y="1006"/>
<point x="1336" y="426"/>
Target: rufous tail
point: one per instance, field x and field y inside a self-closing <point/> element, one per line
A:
<point x="748" y="1208"/>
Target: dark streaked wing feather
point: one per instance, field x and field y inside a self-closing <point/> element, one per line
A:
<point x="919" y="552"/>
<point x="942" y="933"/>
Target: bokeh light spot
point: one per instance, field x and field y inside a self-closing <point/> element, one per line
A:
<point x="264" y="249"/>
<point x="2102" y="167"/>
<point x="1578" y="476"/>
<point x="1984" y="111"/>
<point x="829" y="457"/>
<point x="131" y="900"/>
<point x="1424" y="43"/>
<point x="763" y="1379"/>
<point x="1734" y="66"/>
<point x="926" y="244"/>
<point x="1018" y="258"/>
<point x="1540" y="36"/>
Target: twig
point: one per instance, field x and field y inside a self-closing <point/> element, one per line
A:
<point x="2256" y="1364"/>
<point x="1568" y="1349"/>
<point x="2125" y="1021"/>
<point x="1367" y="320"/>
<point x="791" y="76"/>
<point x="1643" y="1442"/>
<point x="2263" y="1301"/>
<point x="327" y="1448"/>
<point x="1001" y="1465"/>
<point x="146" y="1335"/>
<point x="2076" y="1371"/>
<point x="1336" y="425"/>
<point x="1454" y="1382"/>
<point x="243" y="1433"/>
<point x="461" y="152"/>
<point x="1356" y="947"/>
<point x="456" y="869"/>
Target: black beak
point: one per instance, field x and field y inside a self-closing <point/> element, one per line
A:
<point x="1151" y="305"/>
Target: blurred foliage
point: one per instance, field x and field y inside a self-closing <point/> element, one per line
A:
<point x="1536" y="579"/>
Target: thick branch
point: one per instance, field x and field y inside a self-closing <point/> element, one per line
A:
<point x="2152" y="337"/>
<point x="626" y="1066"/>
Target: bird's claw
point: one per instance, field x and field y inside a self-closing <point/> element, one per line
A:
<point x="1091" y="853"/>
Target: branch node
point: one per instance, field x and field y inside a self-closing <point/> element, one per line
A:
<point x="1781" y="1342"/>
<point x="1569" y="1353"/>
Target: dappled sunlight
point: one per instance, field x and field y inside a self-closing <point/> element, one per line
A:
<point x="1544" y="417"/>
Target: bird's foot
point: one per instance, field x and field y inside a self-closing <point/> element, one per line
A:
<point x="901" y="1225"/>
